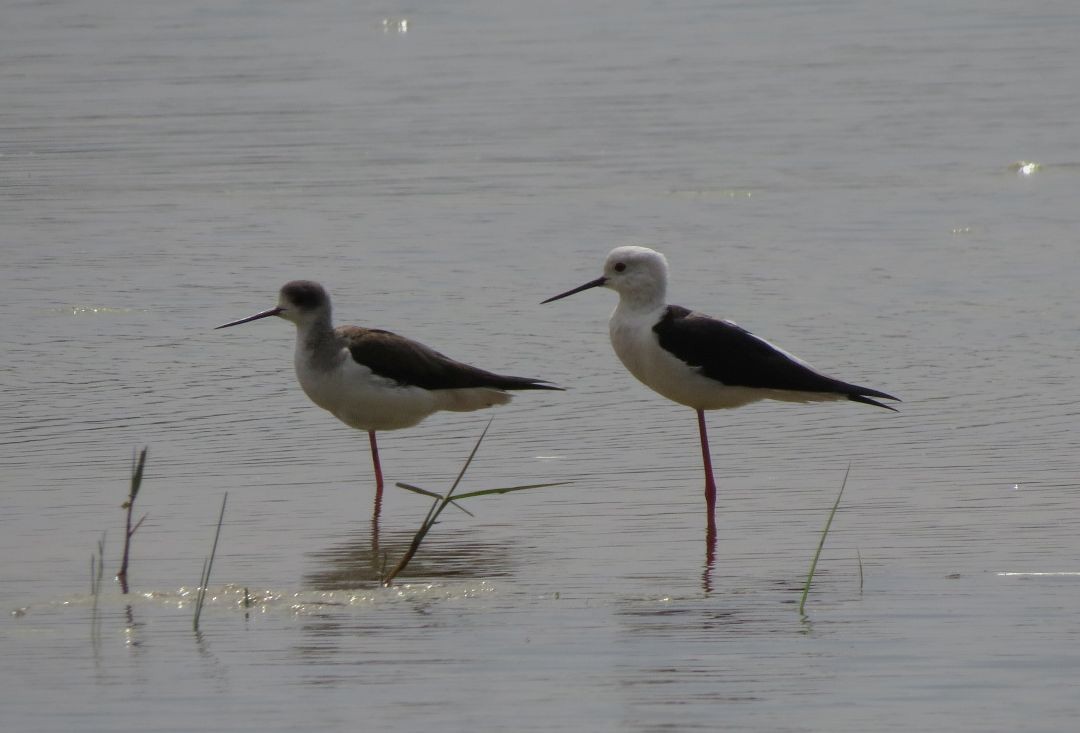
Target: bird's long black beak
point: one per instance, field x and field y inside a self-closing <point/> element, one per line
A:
<point x="257" y="316"/>
<point x="591" y="284"/>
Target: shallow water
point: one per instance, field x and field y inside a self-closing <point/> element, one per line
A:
<point x="839" y="178"/>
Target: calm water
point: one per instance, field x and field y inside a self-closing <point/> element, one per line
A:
<point x="837" y="176"/>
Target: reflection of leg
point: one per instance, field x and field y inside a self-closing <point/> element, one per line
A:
<point x="378" y="562"/>
<point x="378" y="472"/>
<point x="710" y="559"/>
<point x="710" y="483"/>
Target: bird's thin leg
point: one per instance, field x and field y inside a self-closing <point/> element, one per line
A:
<point x="710" y="483"/>
<point x="378" y="472"/>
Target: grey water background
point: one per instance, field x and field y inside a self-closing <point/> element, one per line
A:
<point x="839" y="177"/>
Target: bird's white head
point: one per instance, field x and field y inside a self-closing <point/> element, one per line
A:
<point x="303" y="302"/>
<point x="637" y="274"/>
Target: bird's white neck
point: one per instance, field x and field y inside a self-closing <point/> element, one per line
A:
<point x="642" y="294"/>
<point x="316" y="341"/>
<point x="631" y="314"/>
<point x="640" y="301"/>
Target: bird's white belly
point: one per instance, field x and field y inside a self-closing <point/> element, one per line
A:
<point x="361" y="399"/>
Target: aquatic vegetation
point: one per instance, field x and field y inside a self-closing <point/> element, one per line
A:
<point x="444" y="500"/>
<point x="97" y="569"/>
<point x="204" y="580"/>
<point x="137" y="466"/>
<point x="821" y="544"/>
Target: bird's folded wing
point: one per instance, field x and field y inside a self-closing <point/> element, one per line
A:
<point x="733" y="356"/>
<point x="411" y="363"/>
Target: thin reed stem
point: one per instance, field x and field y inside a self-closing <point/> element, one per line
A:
<point x="200" y="596"/>
<point x="137" y="466"/>
<point x="821" y="542"/>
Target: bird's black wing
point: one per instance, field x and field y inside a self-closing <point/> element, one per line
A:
<point x="411" y="363"/>
<point x="735" y="357"/>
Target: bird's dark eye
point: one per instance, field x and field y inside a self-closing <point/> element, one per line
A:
<point x="620" y="266"/>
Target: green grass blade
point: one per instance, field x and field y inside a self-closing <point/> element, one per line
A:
<point x="440" y="503"/>
<point x="821" y="542"/>
<point x="468" y="462"/>
<point x="507" y="490"/>
<point x="418" y="490"/>
<point x="432" y="494"/>
<point x="209" y="563"/>
<point x="97" y="568"/>
<point x="217" y="536"/>
<point x="200" y="593"/>
<point x="137" y="467"/>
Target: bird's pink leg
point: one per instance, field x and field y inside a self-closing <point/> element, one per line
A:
<point x="710" y="483"/>
<point x="378" y="472"/>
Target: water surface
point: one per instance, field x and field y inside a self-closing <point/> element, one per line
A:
<point x="838" y="177"/>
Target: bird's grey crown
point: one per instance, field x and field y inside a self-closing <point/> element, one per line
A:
<point x="305" y="294"/>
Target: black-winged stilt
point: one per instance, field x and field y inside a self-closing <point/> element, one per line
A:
<point x="372" y="379"/>
<point x="702" y="362"/>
